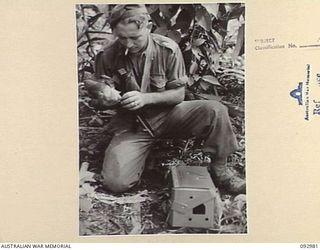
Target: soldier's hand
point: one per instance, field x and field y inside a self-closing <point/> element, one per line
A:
<point x="133" y="100"/>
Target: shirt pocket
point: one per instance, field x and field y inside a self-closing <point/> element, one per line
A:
<point x="158" y="82"/>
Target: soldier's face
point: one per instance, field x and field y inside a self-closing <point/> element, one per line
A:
<point x="131" y="37"/>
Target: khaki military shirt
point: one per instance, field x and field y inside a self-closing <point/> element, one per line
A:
<point x="166" y="71"/>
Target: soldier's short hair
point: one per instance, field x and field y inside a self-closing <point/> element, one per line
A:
<point x="129" y="13"/>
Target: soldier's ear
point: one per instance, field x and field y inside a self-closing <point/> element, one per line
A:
<point x="149" y="26"/>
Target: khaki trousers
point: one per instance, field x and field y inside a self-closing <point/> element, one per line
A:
<point x="126" y="155"/>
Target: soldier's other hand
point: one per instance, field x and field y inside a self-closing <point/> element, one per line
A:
<point x="133" y="100"/>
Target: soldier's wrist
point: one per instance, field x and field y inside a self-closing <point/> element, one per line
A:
<point x="148" y="99"/>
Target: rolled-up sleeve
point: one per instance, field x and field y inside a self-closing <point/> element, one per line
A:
<point x="176" y="71"/>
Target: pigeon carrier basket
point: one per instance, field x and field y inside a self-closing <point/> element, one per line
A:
<point x="194" y="198"/>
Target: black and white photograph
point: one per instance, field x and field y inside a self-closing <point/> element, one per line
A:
<point x="161" y="116"/>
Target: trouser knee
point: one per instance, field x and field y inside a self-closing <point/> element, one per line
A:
<point x="212" y="110"/>
<point x="216" y="107"/>
<point x="117" y="185"/>
<point x="124" y="160"/>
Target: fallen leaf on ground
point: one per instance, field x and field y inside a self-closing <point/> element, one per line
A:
<point x="84" y="174"/>
<point x="84" y="228"/>
<point x="110" y="199"/>
<point x="85" y="204"/>
<point x="86" y="189"/>
<point x="136" y="219"/>
<point x="239" y="201"/>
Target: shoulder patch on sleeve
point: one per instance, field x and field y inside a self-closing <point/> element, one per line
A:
<point x="165" y="41"/>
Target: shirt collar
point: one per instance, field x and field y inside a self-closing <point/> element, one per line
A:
<point x="146" y="51"/>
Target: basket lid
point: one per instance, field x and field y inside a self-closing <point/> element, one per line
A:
<point x="191" y="177"/>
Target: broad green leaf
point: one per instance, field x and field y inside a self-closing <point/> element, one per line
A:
<point x="174" y="35"/>
<point x="183" y="21"/>
<point x="203" y="18"/>
<point x="165" y="10"/>
<point x="103" y="8"/>
<point x="97" y="32"/>
<point x="240" y="42"/>
<point x="193" y="68"/>
<point x="97" y="39"/>
<point x="211" y="54"/>
<point x="240" y="78"/>
<point x="190" y="81"/>
<point x="168" y="10"/>
<point x="234" y="211"/>
<point x="198" y="42"/>
<point x="91" y="7"/>
<point x="84" y="167"/>
<point x="84" y="174"/>
<point x="92" y="146"/>
<point x="217" y="208"/>
<point x="141" y="196"/>
<point x="152" y="8"/>
<point x="96" y="121"/>
<point x="211" y="79"/>
<point x="215" y="60"/>
<point x="212" y="8"/>
<point x="190" y="8"/>
<point x="204" y="85"/>
<point x="231" y="228"/>
<point x="92" y="20"/>
<point x="188" y="47"/>
<point x="85" y="204"/>
<point x="183" y="26"/>
<point x="136" y="219"/>
<point x="218" y="38"/>
<point x="239" y="63"/>
<point x="232" y="31"/>
<point x="196" y="77"/>
<point x="82" y="43"/>
<point x="82" y="27"/>
<point x="174" y="19"/>
<point x="240" y="72"/>
<point x="239" y="201"/>
<point x="236" y="11"/>
<point x="197" y="53"/>
<point x="86" y="189"/>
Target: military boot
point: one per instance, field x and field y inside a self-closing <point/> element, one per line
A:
<point x="227" y="179"/>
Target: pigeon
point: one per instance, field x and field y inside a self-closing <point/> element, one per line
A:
<point x="103" y="91"/>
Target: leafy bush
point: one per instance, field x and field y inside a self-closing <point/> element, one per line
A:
<point x="211" y="38"/>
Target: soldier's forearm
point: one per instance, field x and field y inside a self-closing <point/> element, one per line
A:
<point x="167" y="97"/>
